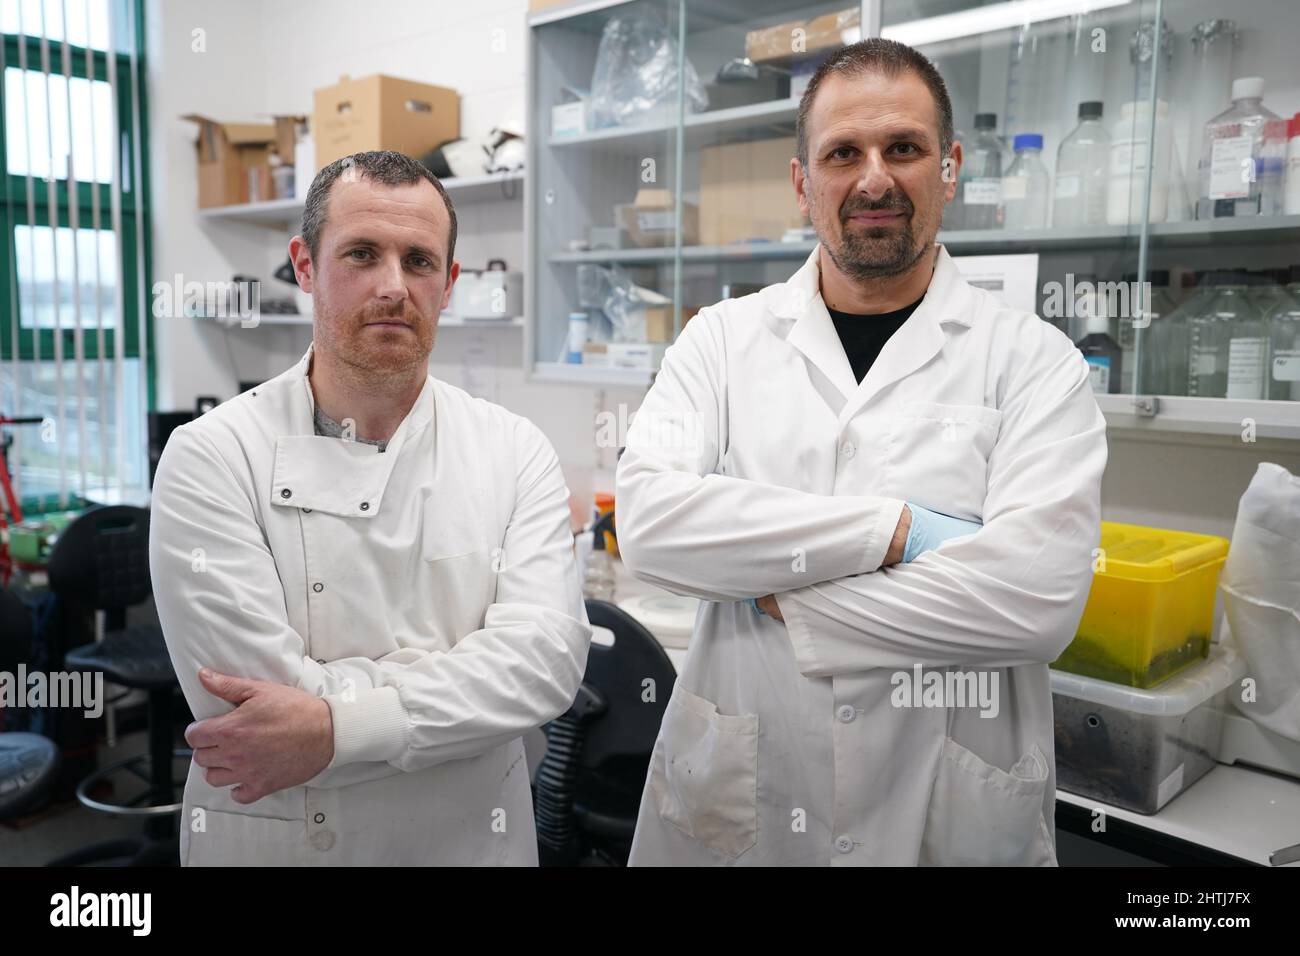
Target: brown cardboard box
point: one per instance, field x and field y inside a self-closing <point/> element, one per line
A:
<point x="659" y="321"/>
<point x="228" y="153"/>
<point x="772" y="43"/>
<point x="650" y="219"/>
<point x="286" y="135"/>
<point x="382" y="112"/>
<point x="780" y="43"/>
<point x="745" y="191"/>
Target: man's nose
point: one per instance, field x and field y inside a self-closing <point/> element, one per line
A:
<point x="390" y="280"/>
<point x="874" y="177"/>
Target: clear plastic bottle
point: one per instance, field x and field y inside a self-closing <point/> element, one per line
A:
<point x="1228" y="345"/>
<point x="1284" y="343"/>
<point x="1154" y="306"/>
<point x="1164" y="356"/>
<point x="1082" y="171"/>
<point x="1242" y="156"/>
<point x="982" y="189"/>
<point x="1027" y="185"/>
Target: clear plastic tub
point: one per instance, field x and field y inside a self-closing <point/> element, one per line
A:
<point x="1135" y="748"/>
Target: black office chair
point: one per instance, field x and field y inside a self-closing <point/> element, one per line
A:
<point x="588" y="786"/>
<point x="29" y="763"/>
<point x="101" y="562"/>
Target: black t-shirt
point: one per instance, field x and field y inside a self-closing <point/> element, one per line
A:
<point x="863" y="336"/>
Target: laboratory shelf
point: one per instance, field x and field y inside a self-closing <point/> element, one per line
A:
<point x="741" y="250"/>
<point x="754" y="121"/>
<point x="466" y="189"/>
<point x="591" y="375"/>
<point x="1242" y="418"/>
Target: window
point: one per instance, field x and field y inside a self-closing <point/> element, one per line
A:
<point x="75" y="334"/>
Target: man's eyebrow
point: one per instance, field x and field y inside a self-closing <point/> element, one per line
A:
<point x="901" y="132"/>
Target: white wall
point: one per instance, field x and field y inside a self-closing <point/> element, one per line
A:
<point x="265" y="57"/>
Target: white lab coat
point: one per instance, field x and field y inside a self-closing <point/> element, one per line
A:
<point x="429" y="593"/>
<point x="758" y="465"/>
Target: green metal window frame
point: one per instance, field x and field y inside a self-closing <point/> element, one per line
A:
<point x="133" y="273"/>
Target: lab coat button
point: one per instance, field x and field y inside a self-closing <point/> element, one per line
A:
<point x="849" y="449"/>
<point x="365" y="506"/>
<point x="318" y="587"/>
<point x="844" y="844"/>
<point x="846" y="713"/>
<point x="306" y="511"/>
<point x="322" y="840"/>
<point x="319" y="818"/>
<point x="285" y="493"/>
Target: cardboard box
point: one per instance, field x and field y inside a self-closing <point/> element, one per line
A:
<point x="569" y="119"/>
<point x="651" y="220"/>
<point x="232" y="161"/>
<point x="745" y="192"/>
<point x="772" y="43"/>
<point x="781" y="43"/>
<point x="382" y="112"/>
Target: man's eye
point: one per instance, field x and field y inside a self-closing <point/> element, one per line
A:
<point x="359" y="252"/>
<point x="906" y="146"/>
<point x="420" y="262"/>
<point x="842" y="152"/>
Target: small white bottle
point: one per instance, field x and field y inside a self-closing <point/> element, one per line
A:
<point x="1082" y="171"/>
<point x="1026" y="185"/>
<point x="1129" y="145"/>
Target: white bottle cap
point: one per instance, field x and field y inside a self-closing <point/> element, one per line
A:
<point x="1248" y="88"/>
<point x="1099" y="324"/>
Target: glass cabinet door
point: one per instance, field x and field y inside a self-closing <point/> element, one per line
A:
<point x="1102" y="136"/>
<point x="604" y="195"/>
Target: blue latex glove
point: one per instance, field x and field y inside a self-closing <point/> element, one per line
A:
<point x="931" y="529"/>
<point x="753" y="602"/>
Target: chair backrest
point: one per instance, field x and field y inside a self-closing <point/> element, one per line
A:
<point x="634" y="677"/>
<point x="15" y="631"/>
<point x="101" y="560"/>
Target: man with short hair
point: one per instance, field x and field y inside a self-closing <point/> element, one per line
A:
<point x="884" y="484"/>
<point x="365" y="576"/>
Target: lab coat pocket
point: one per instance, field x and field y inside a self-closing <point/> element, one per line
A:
<point x="218" y="838"/>
<point x="940" y="454"/>
<point x="981" y="815"/>
<point x="461" y="572"/>
<point x="704" y="773"/>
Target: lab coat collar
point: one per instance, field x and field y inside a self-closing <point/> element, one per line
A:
<point x="947" y="300"/>
<point x="334" y="475"/>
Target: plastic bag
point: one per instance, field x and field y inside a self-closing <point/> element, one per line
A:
<point x="1261" y="597"/>
<point x="636" y="74"/>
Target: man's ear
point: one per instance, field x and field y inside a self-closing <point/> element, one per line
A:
<point x="452" y="276"/>
<point x="300" y="255"/>
<point x="800" y="180"/>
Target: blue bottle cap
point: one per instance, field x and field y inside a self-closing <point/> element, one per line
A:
<point x="1027" y="141"/>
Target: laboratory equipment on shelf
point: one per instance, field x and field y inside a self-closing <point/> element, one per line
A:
<point x="982" y="187"/>
<point x="1105" y="360"/>
<point x="1130" y="147"/>
<point x="1284" y="342"/>
<point x="1082" y="171"/>
<point x="1026" y="185"/>
<point x="1227" y="345"/>
<point x="1242" y="157"/>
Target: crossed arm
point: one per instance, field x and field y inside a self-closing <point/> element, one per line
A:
<point x="1010" y="594"/>
<point x="271" y="717"/>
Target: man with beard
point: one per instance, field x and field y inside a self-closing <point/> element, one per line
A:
<point x="365" y="576"/>
<point x="884" y="485"/>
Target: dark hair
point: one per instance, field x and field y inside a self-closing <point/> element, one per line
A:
<point x="883" y="56"/>
<point x="382" y="166"/>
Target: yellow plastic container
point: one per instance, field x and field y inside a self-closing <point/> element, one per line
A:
<point x="1151" y="609"/>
